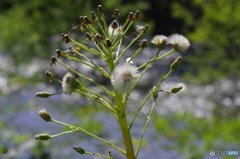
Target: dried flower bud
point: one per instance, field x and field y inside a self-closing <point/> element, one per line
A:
<point x="140" y="29"/>
<point x="44" y="115"/>
<point x="94" y="17"/>
<point x="66" y="38"/>
<point x="175" y="65"/>
<point x="50" y="75"/>
<point x="100" y="9"/>
<point x="98" y="38"/>
<point x="53" y="60"/>
<point x="59" y="53"/>
<point x="176" y="89"/>
<point x="143" y="44"/>
<point x="42" y="137"/>
<point x="43" y="94"/>
<point x="109" y="42"/>
<point x="130" y="16"/>
<point x="86" y="20"/>
<point x="79" y="150"/>
<point x="69" y="83"/>
<point x="114" y="24"/>
<point x="116" y="13"/>
<point x="136" y="15"/>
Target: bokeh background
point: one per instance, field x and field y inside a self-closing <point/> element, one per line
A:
<point x="204" y="116"/>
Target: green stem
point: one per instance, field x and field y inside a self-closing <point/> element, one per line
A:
<point x="145" y="128"/>
<point x="157" y="58"/>
<point x="97" y="154"/>
<point x="106" y="103"/>
<point x="94" y="66"/>
<point x="95" y="52"/>
<point x="148" y="96"/>
<point x="122" y="120"/>
<point x="89" y="79"/>
<point x="124" y="50"/>
<point x="88" y="133"/>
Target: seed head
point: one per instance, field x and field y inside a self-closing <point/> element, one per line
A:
<point x="179" y="42"/>
<point x="69" y="83"/>
<point x="123" y="76"/>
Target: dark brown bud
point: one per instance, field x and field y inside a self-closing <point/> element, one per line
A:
<point x="109" y="42"/>
<point x="66" y="38"/>
<point x="44" y="115"/>
<point x="100" y="9"/>
<point x="130" y="16"/>
<point x="79" y="150"/>
<point x="53" y="60"/>
<point x="116" y="13"/>
<point x="43" y="137"/>
<point x="136" y="15"/>
<point x="99" y="38"/>
<point x="86" y="21"/>
<point x="114" y="24"/>
<point x="143" y="44"/>
<point x="59" y="53"/>
<point x="175" y="65"/>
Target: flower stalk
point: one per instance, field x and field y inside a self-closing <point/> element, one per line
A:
<point x="107" y="45"/>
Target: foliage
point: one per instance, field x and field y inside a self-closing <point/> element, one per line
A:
<point x="214" y="28"/>
<point x="194" y="136"/>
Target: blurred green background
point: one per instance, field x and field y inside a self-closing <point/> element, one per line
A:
<point x="208" y="118"/>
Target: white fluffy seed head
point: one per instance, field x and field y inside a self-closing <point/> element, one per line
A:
<point x="69" y="83"/>
<point x="179" y="42"/>
<point x="123" y="76"/>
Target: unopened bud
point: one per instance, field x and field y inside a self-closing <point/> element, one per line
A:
<point x="100" y="9"/>
<point x="99" y="38"/>
<point x="65" y="38"/>
<point x="114" y="24"/>
<point x="44" y="115"/>
<point x="175" y="65"/>
<point x="143" y="44"/>
<point x="130" y="16"/>
<point x="53" y="60"/>
<point x="176" y="89"/>
<point x="43" y="94"/>
<point x="116" y="13"/>
<point x="79" y="150"/>
<point x="42" y="137"/>
<point x="109" y="42"/>
<point x="136" y="15"/>
<point x="86" y="21"/>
